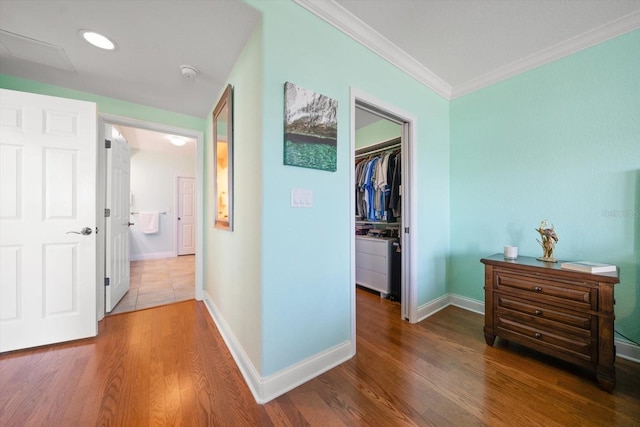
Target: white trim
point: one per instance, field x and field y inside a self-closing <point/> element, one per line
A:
<point x="199" y="137"/>
<point x="337" y="16"/>
<point x="624" y="349"/>
<point x="268" y="388"/>
<point x="289" y="378"/>
<point x="467" y="303"/>
<point x="352" y="223"/>
<point x="627" y="350"/>
<point x="575" y="44"/>
<point x="409" y="204"/>
<point x="432" y="307"/>
<point x="153" y="255"/>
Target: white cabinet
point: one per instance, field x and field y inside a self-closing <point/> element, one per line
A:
<point x="373" y="263"/>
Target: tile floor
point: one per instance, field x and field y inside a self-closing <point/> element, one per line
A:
<point x="157" y="282"/>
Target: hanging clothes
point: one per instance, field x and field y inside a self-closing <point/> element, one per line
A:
<point x="374" y="187"/>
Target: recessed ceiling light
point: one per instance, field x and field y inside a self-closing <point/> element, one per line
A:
<point x="97" y="39"/>
<point x="179" y="142"/>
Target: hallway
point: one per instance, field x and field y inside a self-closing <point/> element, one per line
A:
<point x="157" y="282"/>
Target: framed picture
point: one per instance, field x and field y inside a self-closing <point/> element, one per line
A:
<point x="310" y="129"/>
<point x="223" y="160"/>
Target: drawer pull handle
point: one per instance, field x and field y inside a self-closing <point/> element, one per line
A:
<point x="537" y="289"/>
<point x="538" y="335"/>
<point x="538" y="312"/>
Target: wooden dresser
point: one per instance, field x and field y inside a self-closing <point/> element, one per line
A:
<point x="563" y="313"/>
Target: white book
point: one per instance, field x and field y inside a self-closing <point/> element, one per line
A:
<point x="588" y="267"/>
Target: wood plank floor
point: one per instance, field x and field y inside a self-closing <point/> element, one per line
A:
<point x="169" y="366"/>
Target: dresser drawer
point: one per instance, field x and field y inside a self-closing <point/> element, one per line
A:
<point x="373" y="246"/>
<point x="535" y="310"/>
<point x="577" y="295"/>
<point x="376" y="263"/>
<point x="372" y="280"/>
<point x="566" y="347"/>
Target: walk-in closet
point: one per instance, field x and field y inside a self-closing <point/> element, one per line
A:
<point x="378" y="207"/>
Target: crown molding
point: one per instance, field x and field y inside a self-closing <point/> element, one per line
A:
<point x="345" y="21"/>
<point x="337" y="16"/>
<point x="575" y="44"/>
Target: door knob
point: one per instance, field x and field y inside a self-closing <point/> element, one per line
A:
<point x="85" y="231"/>
<point x="131" y="223"/>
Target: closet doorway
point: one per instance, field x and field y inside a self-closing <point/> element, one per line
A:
<point x="388" y="133"/>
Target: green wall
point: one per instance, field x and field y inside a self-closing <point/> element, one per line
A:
<point x="232" y="259"/>
<point x="382" y="130"/>
<point x="306" y="252"/>
<point x="560" y="142"/>
<point x="106" y="105"/>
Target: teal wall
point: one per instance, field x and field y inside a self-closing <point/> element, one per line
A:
<point x="306" y="252"/>
<point x="560" y="142"/>
<point x="106" y="105"/>
<point x="232" y="259"/>
<point x="382" y="130"/>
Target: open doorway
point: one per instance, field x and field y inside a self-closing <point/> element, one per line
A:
<point x="395" y="130"/>
<point x="161" y="199"/>
<point x="165" y="183"/>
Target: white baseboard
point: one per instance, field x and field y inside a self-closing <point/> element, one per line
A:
<point x="289" y="378"/>
<point x="432" y="307"/>
<point x="624" y="349"/>
<point x="268" y="388"/>
<point x="466" y="303"/>
<point x="627" y="350"/>
<point x="152" y="255"/>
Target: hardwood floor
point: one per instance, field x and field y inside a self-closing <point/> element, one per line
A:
<point x="169" y="366"/>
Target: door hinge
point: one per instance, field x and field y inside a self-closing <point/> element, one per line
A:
<point x="107" y="213"/>
<point x="107" y="143"/>
<point x="406" y="230"/>
<point x="107" y="282"/>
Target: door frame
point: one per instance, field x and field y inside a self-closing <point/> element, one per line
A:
<point x="103" y="119"/>
<point x="409" y="203"/>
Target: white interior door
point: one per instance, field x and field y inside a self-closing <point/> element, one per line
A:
<point x="186" y="216"/>
<point x="47" y="220"/>
<point x="117" y="269"/>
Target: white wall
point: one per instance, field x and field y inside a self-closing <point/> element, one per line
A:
<point x="153" y="186"/>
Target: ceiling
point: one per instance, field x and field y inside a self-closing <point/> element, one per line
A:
<point x="454" y="47"/>
<point x="148" y="140"/>
<point x="154" y="37"/>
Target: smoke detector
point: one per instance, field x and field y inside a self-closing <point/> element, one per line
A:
<point x="188" y="71"/>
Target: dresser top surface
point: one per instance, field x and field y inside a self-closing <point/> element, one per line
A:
<point x="533" y="264"/>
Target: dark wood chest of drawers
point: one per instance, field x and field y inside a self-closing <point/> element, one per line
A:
<point x="563" y="313"/>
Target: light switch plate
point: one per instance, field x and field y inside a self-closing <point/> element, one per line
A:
<point x="301" y="198"/>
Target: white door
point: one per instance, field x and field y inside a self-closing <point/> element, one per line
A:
<point x="186" y="216"/>
<point x="117" y="269"/>
<point x="47" y="220"/>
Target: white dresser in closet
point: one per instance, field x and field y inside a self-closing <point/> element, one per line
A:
<point x="373" y="263"/>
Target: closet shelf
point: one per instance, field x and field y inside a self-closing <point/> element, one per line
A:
<point x="393" y="224"/>
<point x="376" y="148"/>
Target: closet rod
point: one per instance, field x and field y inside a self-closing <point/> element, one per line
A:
<point x="379" y="150"/>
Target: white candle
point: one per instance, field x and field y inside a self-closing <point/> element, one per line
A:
<point x="510" y="252"/>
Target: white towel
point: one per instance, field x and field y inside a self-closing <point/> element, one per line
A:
<point x="149" y="222"/>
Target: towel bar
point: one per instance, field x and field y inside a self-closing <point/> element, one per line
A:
<point x="136" y="213"/>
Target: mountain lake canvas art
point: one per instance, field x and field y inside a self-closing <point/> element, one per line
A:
<point x="310" y="129"/>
